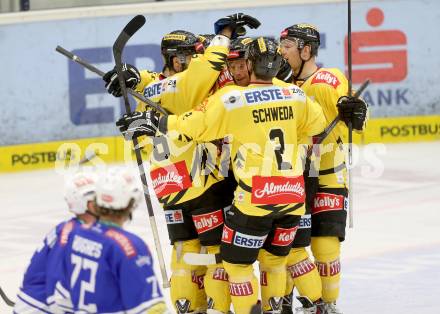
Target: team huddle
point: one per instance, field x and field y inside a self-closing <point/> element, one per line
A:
<point x="234" y="167"/>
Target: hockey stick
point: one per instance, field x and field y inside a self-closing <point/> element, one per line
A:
<point x="95" y="70"/>
<point x="6" y="299"/>
<point x="202" y="259"/>
<point x="350" y="125"/>
<point x="87" y="158"/>
<point x="132" y="27"/>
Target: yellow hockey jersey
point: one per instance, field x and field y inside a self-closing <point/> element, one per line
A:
<point x="146" y="78"/>
<point x="325" y="86"/>
<point x="182" y="170"/>
<point x="184" y="90"/>
<point x="261" y="122"/>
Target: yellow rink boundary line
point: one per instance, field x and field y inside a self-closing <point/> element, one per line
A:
<point x="36" y="156"/>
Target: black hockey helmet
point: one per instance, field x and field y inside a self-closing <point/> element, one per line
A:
<point x="265" y="57"/>
<point x="238" y="48"/>
<point x="203" y="42"/>
<point x="179" y="44"/>
<point x="306" y="34"/>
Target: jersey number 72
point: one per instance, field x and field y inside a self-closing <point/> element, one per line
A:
<point x="81" y="263"/>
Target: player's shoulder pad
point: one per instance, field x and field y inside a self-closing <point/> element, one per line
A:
<point x="200" y="107"/>
<point x="278" y="82"/>
<point x="65" y="230"/>
<point x="156" y="88"/>
<point x="217" y="96"/>
<point x="331" y="77"/>
<point x="289" y="89"/>
<point x="226" y="89"/>
<point x="129" y="243"/>
<point x="297" y="91"/>
<point x="176" y="77"/>
<point x="230" y="96"/>
<point x="148" y="75"/>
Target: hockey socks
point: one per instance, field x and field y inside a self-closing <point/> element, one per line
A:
<point x="187" y="290"/>
<point x="243" y="287"/>
<point x="217" y="285"/>
<point x="272" y="280"/>
<point x="327" y="251"/>
<point x="303" y="274"/>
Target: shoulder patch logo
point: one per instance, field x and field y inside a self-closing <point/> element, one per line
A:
<point x="232" y="100"/>
<point x="123" y="241"/>
<point x="326" y="77"/>
<point x="65" y="231"/>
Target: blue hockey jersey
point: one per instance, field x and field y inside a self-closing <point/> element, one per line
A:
<point x="39" y="279"/>
<point x="108" y="270"/>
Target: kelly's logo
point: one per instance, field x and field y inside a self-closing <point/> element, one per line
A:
<point x="209" y="221"/>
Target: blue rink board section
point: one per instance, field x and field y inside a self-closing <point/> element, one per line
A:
<point x="46" y="97"/>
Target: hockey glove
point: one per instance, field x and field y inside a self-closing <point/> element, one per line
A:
<point x="285" y="73"/>
<point x="137" y="124"/>
<point x="236" y="22"/>
<point x="352" y="110"/>
<point x="131" y="77"/>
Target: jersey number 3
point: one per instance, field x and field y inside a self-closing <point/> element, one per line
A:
<point x="276" y="136"/>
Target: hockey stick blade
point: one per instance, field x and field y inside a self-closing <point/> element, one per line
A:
<point x="202" y="259"/>
<point x="95" y="70"/>
<point x="132" y="27"/>
<point x="5" y="298"/>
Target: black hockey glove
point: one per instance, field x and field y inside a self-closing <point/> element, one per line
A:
<point x="131" y="76"/>
<point x="285" y="73"/>
<point x="236" y="22"/>
<point x="352" y="110"/>
<point x="137" y="124"/>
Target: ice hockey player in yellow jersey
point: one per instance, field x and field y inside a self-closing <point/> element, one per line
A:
<point x="301" y="272"/>
<point x="261" y="121"/>
<point x="216" y="279"/>
<point x="184" y="174"/>
<point x="171" y="181"/>
<point x="328" y="87"/>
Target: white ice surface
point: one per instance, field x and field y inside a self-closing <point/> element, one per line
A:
<point x="390" y="260"/>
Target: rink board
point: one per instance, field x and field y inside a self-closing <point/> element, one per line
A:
<point x="48" y="98"/>
<point x="62" y="154"/>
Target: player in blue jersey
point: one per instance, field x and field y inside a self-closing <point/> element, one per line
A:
<point x="38" y="285"/>
<point x="105" y="268"/>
